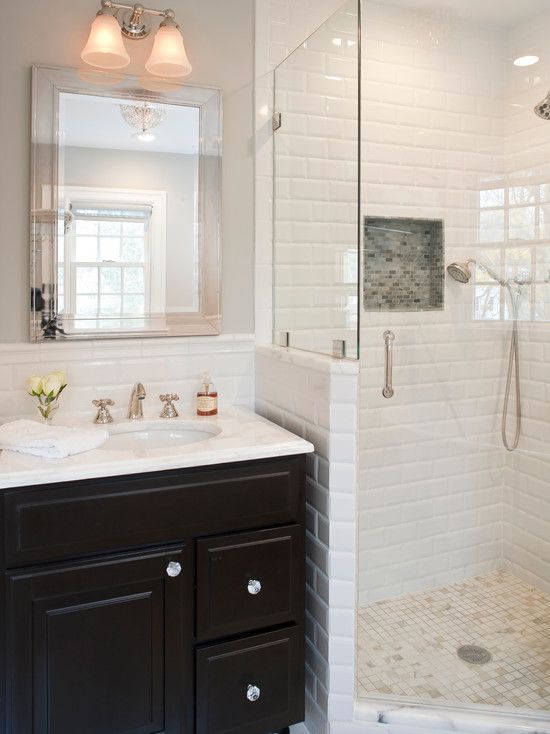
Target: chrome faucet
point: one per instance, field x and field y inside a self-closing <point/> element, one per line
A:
<point x="135" y="409"/>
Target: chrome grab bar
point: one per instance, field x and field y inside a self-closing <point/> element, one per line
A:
<point x="389" y="338"/>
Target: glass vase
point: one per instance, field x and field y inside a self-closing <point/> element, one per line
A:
<point x="47" y="410"/>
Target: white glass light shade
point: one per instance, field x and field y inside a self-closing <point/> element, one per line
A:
<point x="168" y="57"/>
<point x="105" y="47"/>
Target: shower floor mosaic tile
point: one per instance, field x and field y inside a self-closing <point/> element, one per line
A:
<point x="407" y="646"/>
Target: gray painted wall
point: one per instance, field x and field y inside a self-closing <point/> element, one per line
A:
<point x="219" y="38"/>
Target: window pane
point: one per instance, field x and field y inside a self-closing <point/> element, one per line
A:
<point x="133" y="249"/>
<point x="491" y="198"/>
<point x="518" y="263"/>
<point x="542" y="303"/>
<point x="110" y="280"/>
<point x="110" y="305"/>
<point x="491" y="226"/>
<point x="133" y="229"/>
<point x="134" y="281"/>
<point x="61" y="303"/>
<point x="523" y="194"/>
<point x="544" y="222"/>
<point x="134" y="304"/>
<point x="86" y="249"/>
<point x="86" y="280"/>
<point x="522" y="223"/>
<point x="543" y="264"/>
<point x="487" y="305"/>
<point x="60" y="279"/>
<point x="110" y="248"/>
<point x="109" y="228"/>
<point x="524" y="311"/>
<point x="86" y="305"/>
<point x="85" y="227"/>
<point x="491" y="259"/>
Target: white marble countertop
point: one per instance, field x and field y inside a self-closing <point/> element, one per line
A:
<point x="237" y="435"/>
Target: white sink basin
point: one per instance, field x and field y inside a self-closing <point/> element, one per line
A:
<point x="144" y="435"/>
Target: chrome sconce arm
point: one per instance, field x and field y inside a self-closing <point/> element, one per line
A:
<point x="133" y="24"/>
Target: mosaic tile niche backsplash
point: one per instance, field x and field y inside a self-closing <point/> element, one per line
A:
<point x="404" y="268"/>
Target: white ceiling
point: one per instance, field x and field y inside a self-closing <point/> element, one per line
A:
<point x="498" y="13"/>
<point x="96" y="122"/>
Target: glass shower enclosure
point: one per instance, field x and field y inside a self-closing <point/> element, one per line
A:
<point x="316" y="190"/>
<point x="412" y="230"/>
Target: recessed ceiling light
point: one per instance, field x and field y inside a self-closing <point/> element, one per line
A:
<point x="526" y="60"/>
<point x="337" y="41"/>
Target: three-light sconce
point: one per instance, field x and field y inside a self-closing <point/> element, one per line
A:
<point x="105" y="47"/>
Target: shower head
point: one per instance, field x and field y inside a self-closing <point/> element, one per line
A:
<point x="543" y="108"/>
<point x="460" y="272"/>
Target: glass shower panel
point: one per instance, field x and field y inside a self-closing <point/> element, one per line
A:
<point x="316" y="190"/>
<point x="454" y="556"/>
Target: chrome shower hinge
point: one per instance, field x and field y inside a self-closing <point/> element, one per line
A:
<point x="277" y="121"/>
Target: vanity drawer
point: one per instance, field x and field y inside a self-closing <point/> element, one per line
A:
<point x="251" y="686"/>
<point x="246" y="581"/>
<point x="87" y="517"/>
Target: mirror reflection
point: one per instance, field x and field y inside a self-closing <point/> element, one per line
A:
<point x="125" y="210"/>
<point x="129" y="242"/>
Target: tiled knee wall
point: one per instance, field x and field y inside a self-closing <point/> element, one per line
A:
<point x="316" y="398"/>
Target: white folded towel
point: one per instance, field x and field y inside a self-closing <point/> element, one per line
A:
<point x="51" y="442"/>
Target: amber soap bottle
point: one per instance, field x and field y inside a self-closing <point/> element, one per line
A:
<point x="207" y="397"/>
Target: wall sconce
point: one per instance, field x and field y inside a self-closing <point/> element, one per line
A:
<point x="105" y="47"/>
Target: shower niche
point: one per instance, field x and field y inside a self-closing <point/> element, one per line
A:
<point x="403" y="264"/>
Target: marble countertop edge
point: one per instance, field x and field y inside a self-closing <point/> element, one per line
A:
<point x="243" y="436"/>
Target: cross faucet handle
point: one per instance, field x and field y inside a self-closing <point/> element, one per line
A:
<point x="103" y="414"/>
<point x="169" y="410"/>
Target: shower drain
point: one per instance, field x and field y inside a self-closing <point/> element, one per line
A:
<point x="474" y="654"/>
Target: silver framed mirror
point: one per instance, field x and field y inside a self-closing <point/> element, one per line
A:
<point x="125" y="207"/>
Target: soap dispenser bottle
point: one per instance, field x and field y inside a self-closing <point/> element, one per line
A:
<point x="207" y="397"/>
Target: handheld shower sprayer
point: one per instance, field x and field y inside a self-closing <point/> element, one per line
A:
<point x="462" y="274"/>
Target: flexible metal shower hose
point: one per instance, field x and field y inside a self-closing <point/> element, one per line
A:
<point x="513" y="369"/>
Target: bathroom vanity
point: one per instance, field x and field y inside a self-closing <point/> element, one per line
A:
<point x="160" y="601"/>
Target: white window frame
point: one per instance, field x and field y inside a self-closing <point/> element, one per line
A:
<point x="156" y="235"/>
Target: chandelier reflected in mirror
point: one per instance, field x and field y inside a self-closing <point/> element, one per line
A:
<point x="144" y="117"/>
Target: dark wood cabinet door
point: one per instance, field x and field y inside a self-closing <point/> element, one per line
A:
<point x="253" y="685"/>
<point x="246" y="581"/>
<point x="102" y="647"/>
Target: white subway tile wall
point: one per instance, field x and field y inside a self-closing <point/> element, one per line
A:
<point x="440" y="500"/>
<point x="109" y="369"/>
<point x="316" y="398"/>
<point x="526" y="524"/>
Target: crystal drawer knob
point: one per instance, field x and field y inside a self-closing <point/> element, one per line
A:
<point x="173" y="569"/>
<point x="254" y="587"/>
<point x="253" y="693"/>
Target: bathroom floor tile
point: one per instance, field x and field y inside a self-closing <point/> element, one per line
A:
<point x="408" y="646"/>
